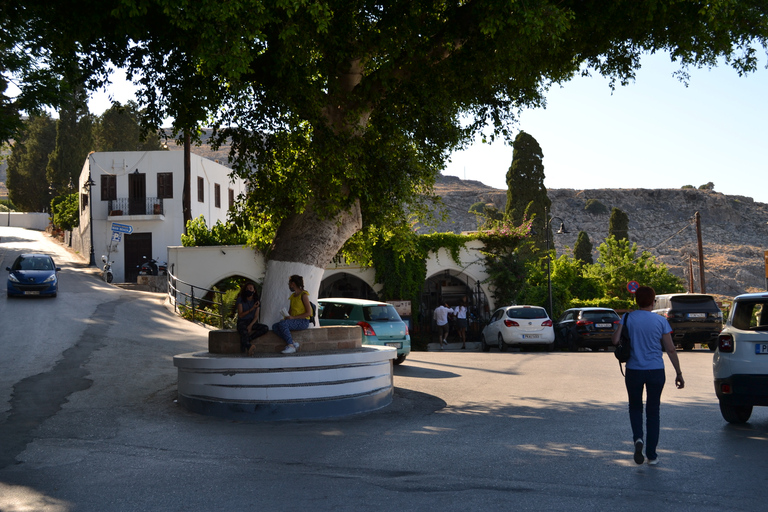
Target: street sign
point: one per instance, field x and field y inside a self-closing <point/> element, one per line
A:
<point x="632" y="286"/>
<point x="122" y="228"/>
<point x="117" y="236"/>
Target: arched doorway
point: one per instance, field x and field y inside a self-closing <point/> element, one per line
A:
<point x="450" y="286"/>
<point x="346" y="285"/>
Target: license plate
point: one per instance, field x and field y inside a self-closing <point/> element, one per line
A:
<point x="31" y="293"/>
<point x="697" y="315"/>
<point x="603" y="326"/>
<point x="530" y="336"/>
<point x="393" y="344"/>
<point x="761" y="348"/>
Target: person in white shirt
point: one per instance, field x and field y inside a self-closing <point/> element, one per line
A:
<point x="461" y="321"/>
<point x="441" y="320"/>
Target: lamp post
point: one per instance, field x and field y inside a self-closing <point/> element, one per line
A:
<point x="87" y="186"/>
<point x="560" y="231"/>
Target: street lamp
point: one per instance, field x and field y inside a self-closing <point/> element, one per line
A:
<point x="560" y="231"/>
<point x="87" y="186"/>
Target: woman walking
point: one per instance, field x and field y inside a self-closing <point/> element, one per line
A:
<point x="298" y="315"/>
<point x="650" y="335"/>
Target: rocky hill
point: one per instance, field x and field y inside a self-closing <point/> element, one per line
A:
<point x="734" y="229"/>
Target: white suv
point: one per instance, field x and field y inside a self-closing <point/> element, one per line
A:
<point x="741" y="361"/>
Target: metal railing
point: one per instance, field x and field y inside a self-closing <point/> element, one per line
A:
<point x="140" y="206"/>
<point x="195" y="303"/>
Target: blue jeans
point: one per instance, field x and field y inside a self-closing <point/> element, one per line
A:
<point x="653" y="381"/>
<point x="283" y="328"/>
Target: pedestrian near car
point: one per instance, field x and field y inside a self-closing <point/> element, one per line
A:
<point x="441" y="320"/>
<point x="299" y="313"/>
<point x="650" y="336"/>
<point x="461" y="321"/>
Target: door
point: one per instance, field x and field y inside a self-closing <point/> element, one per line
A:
<point x="137" y="194"/>
<point x="137" y="245"/>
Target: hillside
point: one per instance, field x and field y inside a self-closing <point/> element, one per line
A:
<point x="734" y="229"/>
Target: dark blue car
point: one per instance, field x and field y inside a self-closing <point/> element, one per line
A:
<point x="33" y="274"/>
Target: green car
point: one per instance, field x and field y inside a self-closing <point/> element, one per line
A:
<point x="380" y="322"/>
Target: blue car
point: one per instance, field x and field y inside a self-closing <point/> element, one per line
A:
<point x="33" y="274"/>
<point x="380" y="322"/>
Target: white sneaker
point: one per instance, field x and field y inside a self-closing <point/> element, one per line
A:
<point x="653" y="462"/>
<point x="296" y="345"/>
<point x="290" y="349"/>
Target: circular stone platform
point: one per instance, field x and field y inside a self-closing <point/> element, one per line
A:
<point x="279" y="387"/>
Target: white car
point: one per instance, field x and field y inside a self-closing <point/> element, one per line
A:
<point x="521" y="326"/>
<point x="740" y="364"/>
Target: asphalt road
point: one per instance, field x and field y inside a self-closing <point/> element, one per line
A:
<point x="88" y="422"/>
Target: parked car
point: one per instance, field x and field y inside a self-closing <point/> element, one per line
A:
<point x="586" y="327"/>
<point x="740" y="363"/>
<point x="33" y="274"/>
<point x="380" y="321"/>
<point x="520" y="326"/>
<point x="694" y="317"/>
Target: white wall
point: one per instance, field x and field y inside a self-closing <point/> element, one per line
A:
<point x="29" y="220"/>
<point x="205" y="266"/>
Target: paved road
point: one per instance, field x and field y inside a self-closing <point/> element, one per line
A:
<point x="89" y="424"/>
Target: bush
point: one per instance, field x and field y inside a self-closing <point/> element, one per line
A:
<point x="595" y="207"/>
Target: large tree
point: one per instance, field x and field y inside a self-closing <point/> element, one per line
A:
<point x="27" y="185"/>
<point x="73" y="143"/>
<point x="526" y="194"/>
<point x="119" y="129"/>
<point x="341" y="112"/>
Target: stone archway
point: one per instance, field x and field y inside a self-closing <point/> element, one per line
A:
<point x="348" y="285"/>
<point x="451" y="285"/>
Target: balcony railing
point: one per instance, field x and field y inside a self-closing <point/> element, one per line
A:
<point x="140" y="206"/>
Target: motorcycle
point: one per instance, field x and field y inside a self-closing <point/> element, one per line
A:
<point x="106" y="273"/>
<point x="153" y="267"/>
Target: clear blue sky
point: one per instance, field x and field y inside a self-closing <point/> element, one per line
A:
<point x="652" y="133"/>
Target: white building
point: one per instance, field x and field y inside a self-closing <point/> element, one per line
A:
<point x="141" y="192"/>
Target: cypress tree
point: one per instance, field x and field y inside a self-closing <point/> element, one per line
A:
<point x="582" y="250"/>
<point x="526" y="194"/>
<point x="618" y="226"/>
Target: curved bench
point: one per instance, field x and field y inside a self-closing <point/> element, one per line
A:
<point x="305" y="385"/>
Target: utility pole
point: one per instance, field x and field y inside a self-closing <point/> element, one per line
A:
<point x="690" y="274"/>
<point x="702" y="284"/>
<point x="186" y="202"/>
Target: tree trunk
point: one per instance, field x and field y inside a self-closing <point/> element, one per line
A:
<point x="304" y="245"/>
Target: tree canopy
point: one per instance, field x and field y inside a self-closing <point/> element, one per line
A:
<point x="341" y="113"/>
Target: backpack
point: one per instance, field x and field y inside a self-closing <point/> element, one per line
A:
<point x="314" y="311"/>
<point x="624" y="348"/>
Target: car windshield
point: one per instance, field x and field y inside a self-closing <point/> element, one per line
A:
<point x="750" y="315"/>
<point x="33" y="263"/>
<point x="526" y="313"/>
<point x="380" y="313"/>
<point x="600" y="316"/>
<point x="693" y="304"/>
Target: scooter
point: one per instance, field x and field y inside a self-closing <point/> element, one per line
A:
<point x="153" y="267"/>
<point x="106" y="273"/>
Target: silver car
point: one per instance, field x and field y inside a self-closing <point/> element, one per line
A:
<point x="521" y="326"/>
<point x="740" y="364"/>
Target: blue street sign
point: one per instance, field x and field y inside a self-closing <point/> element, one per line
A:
<point x="122" y="228"/>
<point x="632" y="286"/>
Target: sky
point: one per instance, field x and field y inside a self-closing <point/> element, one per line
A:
<point x="653" y="133"/>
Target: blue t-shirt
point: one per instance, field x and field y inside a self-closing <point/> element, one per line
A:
<point x="247" y="304"/>
<point x="645" y="331"/>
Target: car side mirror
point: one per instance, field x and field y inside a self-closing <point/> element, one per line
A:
<point x="58" y="269"/>
<point x="8" y="269"/>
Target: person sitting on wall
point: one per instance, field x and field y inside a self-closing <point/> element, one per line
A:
<point x="298" y="314"/>
<point x="248" y="326"/>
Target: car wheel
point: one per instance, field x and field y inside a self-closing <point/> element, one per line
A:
<point x="550" y="347"/>
<point x="399" y="359"/>
<point x="502" y="345"/>
<point x="483" y="344"/>
<point x="688" y="346"/>
<point x="735" y="413"/>
<point x="712" y="346"/>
